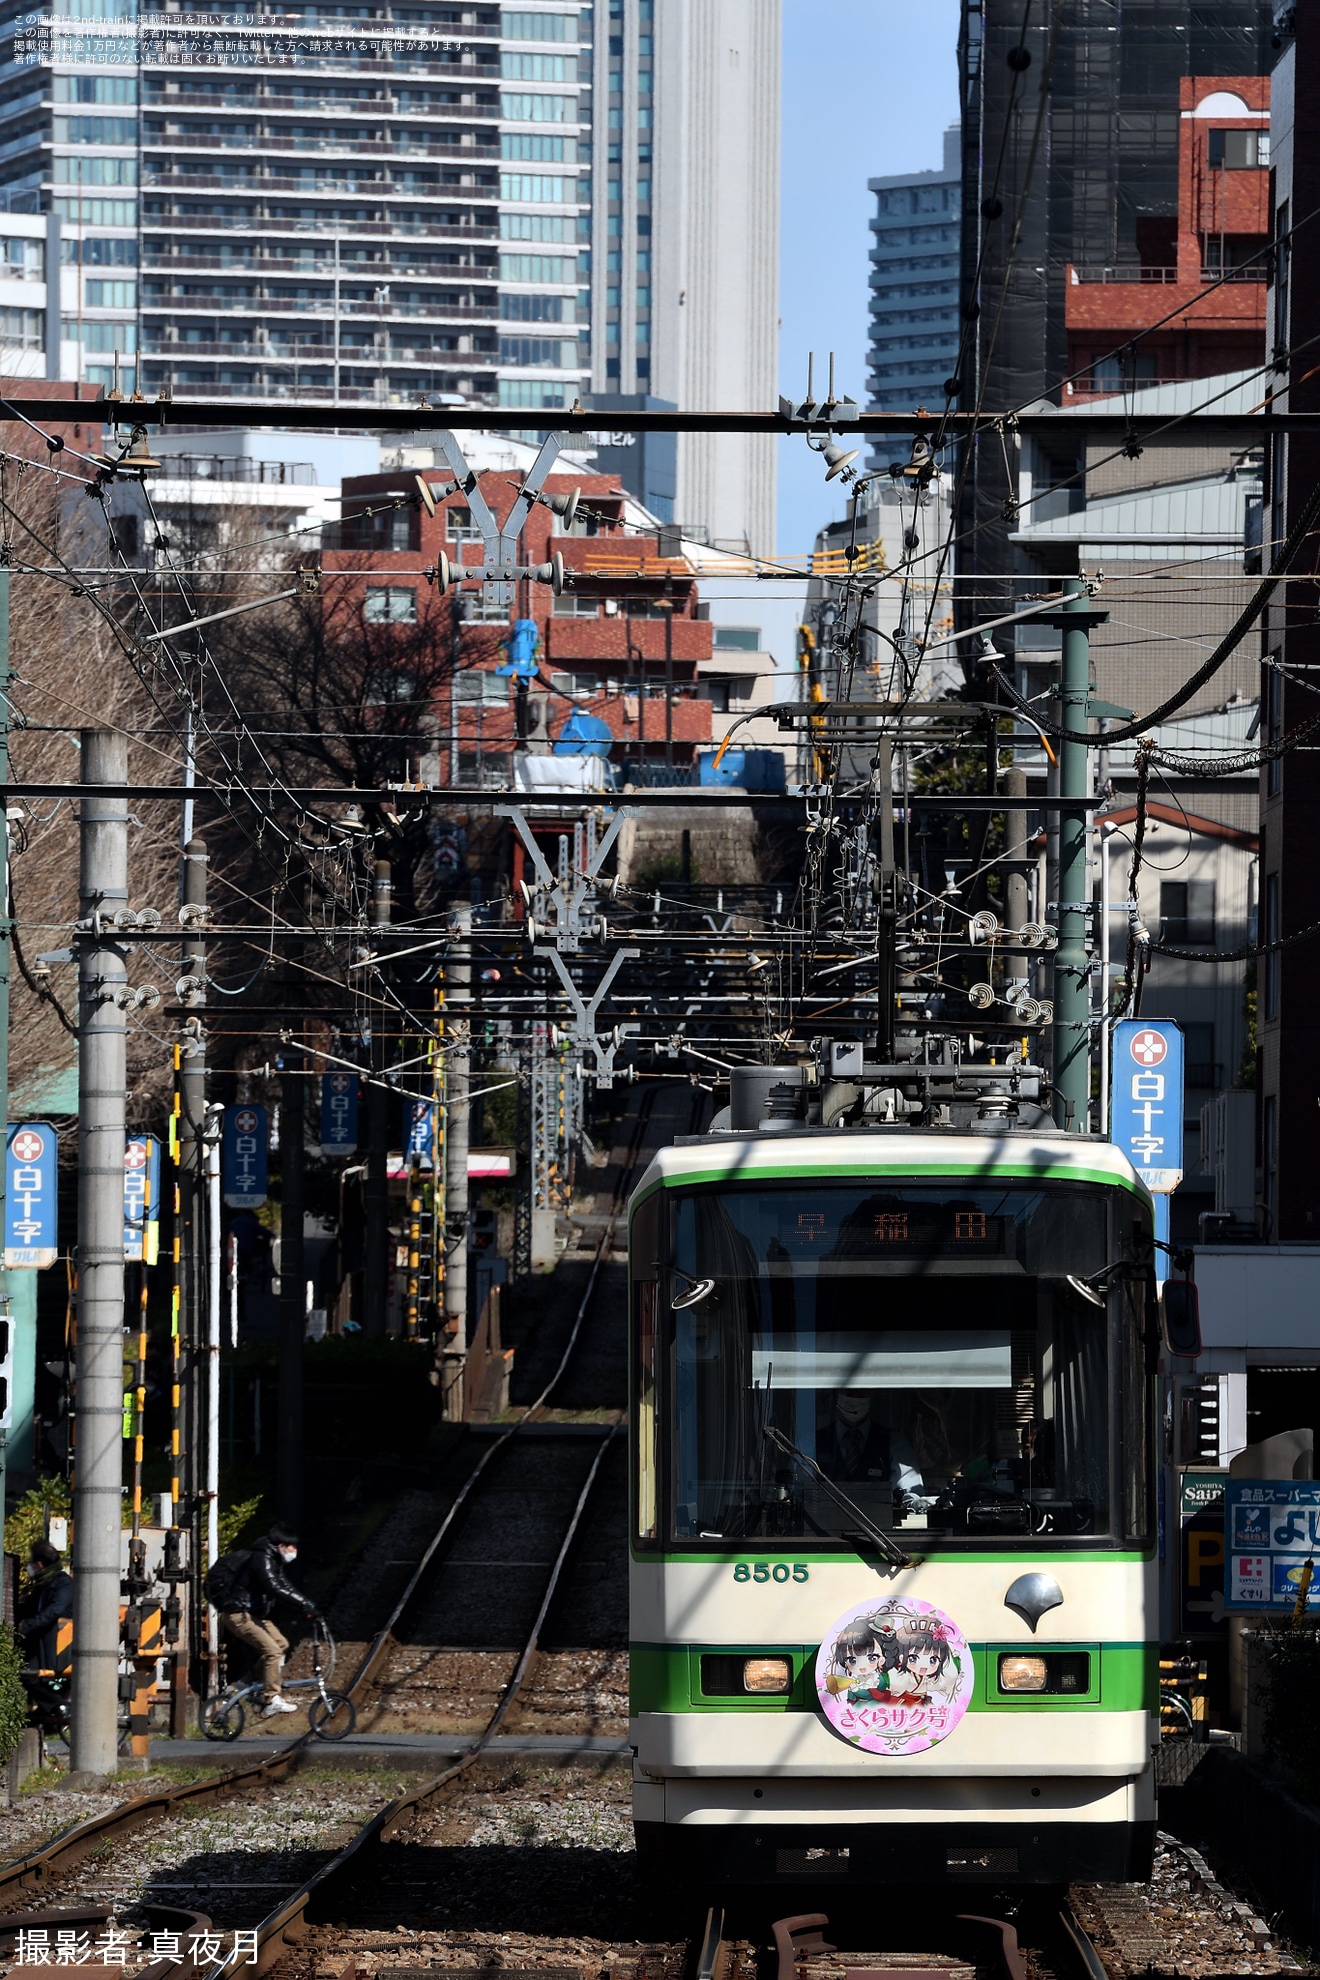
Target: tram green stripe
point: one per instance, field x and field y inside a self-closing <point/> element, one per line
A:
<point x="754" y="1171"/>
<point x="666" y="1677"/>
<point x="951" y="1554"/>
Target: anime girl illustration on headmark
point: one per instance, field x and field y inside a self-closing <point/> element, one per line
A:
<point x="894" y="1678"/>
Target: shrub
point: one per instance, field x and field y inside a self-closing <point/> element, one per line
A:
<point x="240" y="1522"/>
<point x="24" y="1524"/>
<point x="13" y="1698"/>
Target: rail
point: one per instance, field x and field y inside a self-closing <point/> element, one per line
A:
<point x="800" y="1947"/>
<point x="40" y="1868"/>
<point x="286" y="1922"/>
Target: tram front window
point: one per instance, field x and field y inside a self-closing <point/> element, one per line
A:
<point x="923" y="1349"/>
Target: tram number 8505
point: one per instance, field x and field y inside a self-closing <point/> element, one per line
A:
<point x="766" y="1571"/>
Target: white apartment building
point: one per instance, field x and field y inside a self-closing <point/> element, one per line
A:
<point x="514" y="206"/>
<point x="714" y="294"/>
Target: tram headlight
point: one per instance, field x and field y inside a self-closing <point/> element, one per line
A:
<point x="1018" y="1673"/>
<point x="767" y="1674"/>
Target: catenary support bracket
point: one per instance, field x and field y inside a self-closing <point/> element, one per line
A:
<point x="567" y="894"/>
<point x="585" y="1035"/>
<point x="500" y="566"/>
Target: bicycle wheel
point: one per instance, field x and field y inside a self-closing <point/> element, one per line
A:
<point x="224" y="1718"/>
<point x="332" y="1715"/>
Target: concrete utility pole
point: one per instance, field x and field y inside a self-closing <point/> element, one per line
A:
<point x="1072" y="985"/>
<point x="1015" y="840"/>
<point x="103" y="890"/>
<point x="886" y="934"/>
<point x="293" y="1292"/>
<point x="215" y="1128"/>
<point x="17" y="1402"/>
<point x="192" y="1214"/>
<point x="458" y="1121"/>
<point x="376" y="1235"/>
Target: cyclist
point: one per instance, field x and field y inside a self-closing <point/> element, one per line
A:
<point x="47" y="1603"/>
<point x="259" y="1583"/>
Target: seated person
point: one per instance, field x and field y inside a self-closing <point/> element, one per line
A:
<point x="852" y="1447"/>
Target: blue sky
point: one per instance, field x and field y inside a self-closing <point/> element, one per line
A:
<point x="869" y="86"/>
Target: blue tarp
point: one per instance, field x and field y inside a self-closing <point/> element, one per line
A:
<point x="742" y="769"/>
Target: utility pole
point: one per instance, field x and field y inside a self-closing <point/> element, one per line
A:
<point x="192" y="1225"/>
<point x="20" y="1361"/>
<point x="668" y="602"/>
<point x="103" y="891"/>
<point x="458" y="1113"/>
<point x="1015" y="843"/>
<point x="886" y="932"/>
<point x="214" y="1124"/>
<point x="293" y="1302"/>
<point x="1072" y="984"/>
<point x="376" y="1235"/>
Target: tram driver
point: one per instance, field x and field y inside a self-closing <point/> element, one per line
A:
<point x="853" y="1446"/>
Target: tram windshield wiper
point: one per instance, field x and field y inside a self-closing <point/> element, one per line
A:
<point x="889" y="1548"/>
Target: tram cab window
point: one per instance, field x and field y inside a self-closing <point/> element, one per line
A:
<point x="923" y="1348"/>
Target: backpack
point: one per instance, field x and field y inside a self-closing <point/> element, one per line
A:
<point x="225" y="1577"/>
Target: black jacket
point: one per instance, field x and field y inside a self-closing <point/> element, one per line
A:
<point x="265" y="1583"/>
<point x="48" y="1601"/>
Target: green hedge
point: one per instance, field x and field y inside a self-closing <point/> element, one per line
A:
<point x="13" y="1698"/>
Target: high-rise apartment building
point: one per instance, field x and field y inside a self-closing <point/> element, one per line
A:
<point x="914" y="287"/>
<point x="679" y="225"/>
<point x="513" y="205"/>
<point x="69" y="89"/>
<point x="394" y="218"/>
<point x="714" y="255"/>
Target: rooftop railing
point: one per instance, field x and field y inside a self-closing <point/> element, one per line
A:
<point x="237" y="467"/>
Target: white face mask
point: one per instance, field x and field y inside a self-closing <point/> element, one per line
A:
<point x="288" y="1553"/>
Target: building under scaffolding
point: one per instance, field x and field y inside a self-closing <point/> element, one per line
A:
<point x="1070" y="155"/>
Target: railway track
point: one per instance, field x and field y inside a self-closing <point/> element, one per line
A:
<point x="422" y="1605"/>
<point x="423" y="1873"/>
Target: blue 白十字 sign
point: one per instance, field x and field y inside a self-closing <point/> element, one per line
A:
<point x="339" y="1113"/>
<point x="1147" y="1119"/>
<point x="421" y="1131"/>
<point x="1271" y="1530"/>
<point x="141" y="1199"/>
<point x="244" y="1157"/>
<point x="31" y="1195"/>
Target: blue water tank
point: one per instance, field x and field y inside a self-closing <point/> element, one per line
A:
<point x="584" y="735"/>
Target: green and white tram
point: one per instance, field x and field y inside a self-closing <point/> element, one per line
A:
<point x="893" y="1579"/>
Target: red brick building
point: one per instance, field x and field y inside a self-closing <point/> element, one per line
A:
<point x="623" y="641"/>
<point x="1220" y="229"/>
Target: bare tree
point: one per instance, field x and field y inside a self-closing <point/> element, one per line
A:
<point x="70" y="671"/>
<point x="328" y="697"/>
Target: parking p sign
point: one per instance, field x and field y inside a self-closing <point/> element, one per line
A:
<point x="1148" y="1099"/>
